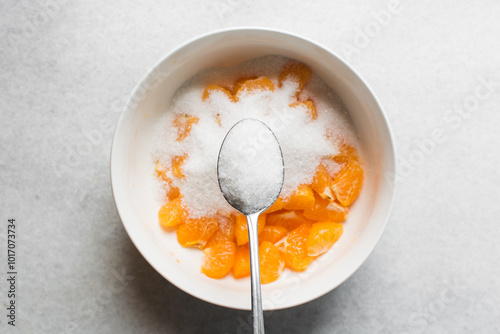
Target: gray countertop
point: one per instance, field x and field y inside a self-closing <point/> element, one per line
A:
<point x="66" y="69"/>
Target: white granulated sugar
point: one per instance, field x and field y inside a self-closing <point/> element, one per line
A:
<point x="304" y="143"/>
<point x="250" y="167"/>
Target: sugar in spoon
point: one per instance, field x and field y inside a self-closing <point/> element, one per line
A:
<point x="250" y="171"/>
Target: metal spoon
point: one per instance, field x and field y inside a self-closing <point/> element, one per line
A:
<point x="243" y="201"/>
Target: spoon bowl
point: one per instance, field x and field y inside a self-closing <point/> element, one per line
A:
<point x="250" y="167"/>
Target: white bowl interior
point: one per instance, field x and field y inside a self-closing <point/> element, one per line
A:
<point x="132" y="169"/>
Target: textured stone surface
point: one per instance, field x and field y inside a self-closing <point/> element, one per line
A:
<point x="66" y="68"/>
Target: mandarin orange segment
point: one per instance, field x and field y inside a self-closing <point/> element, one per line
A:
<point x="322" y="183"/>
<point x="251" y="86"/>
<point x="271" y="262"/>
<point x="273" y="234"/>
<point x="241" y="228"/>
<point x="308" y="106"/>
<point x="242" y="262"/>
<point x="219" y="259"/>
<point x="326" y="210"/>
<point x="227" y="226"/>
<point x="287" y="219"/>
<point x="196" y="232"/>
<point x="172" y="192"/>
<point x="294" y="249"/>
<point x="322" y="236"/>
<point x="215" y="239"/>
<point x="225" y="231"/>
<point x="238" y="82"/>
<point x="346" y="153"/>
<point x="301" y="199"/>
<point x="347" y="185"/>
<point x="184" y="123"/>
<point x="160" y="170"/>
<point x="297" y="72"/>
<point x="216" y="89"/>
<point x="172" y="213"/>
<point x="177" y="165"/>
<point x="278" y="205"/>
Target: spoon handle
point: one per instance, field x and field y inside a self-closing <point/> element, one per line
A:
<point x="258" y="316"/>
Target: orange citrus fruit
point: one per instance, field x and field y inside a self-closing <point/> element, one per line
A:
<point x="259" y="84"/>
<point x="322" y="236"/>
<point x="177" y="163"/>
<point x="271" y="262"/>
<point x="173" y="192"/>
<point x="242" y="262"/>
<point x="241" y="228"/>
<point x="272" y="234"/>
<point x="278" y="205"/>
<point x="346" y="152"/>
<point x="308" y="106"/>
<point x="297" y="72"/>
<point x="219" y="259"/>
<point x="196" y="232"/>
<point x="238" y="82"/>
<point x="347" y="184"/>
<point x="227" y="226"/>
<point x="294" y="249"/>
<point x="287" y="219"/>
<point x="225" y="230"/>
<point x="160" y="170"/>
<point x="322" y="183"/>
<point x="172" y="213"/>
<point x="184" y="123"/>
<point x="326" y="210"/>
<point x="211" y="89"/>
<point x="301" y="199"/>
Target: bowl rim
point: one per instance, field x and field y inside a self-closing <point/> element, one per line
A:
<point x="120" y="209"/>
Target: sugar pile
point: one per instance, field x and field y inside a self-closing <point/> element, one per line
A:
<point x="250" y="166"/>
<point x="304" y="143"/>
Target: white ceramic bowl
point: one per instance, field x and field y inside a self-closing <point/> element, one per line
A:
<point x="131" y="169"/>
